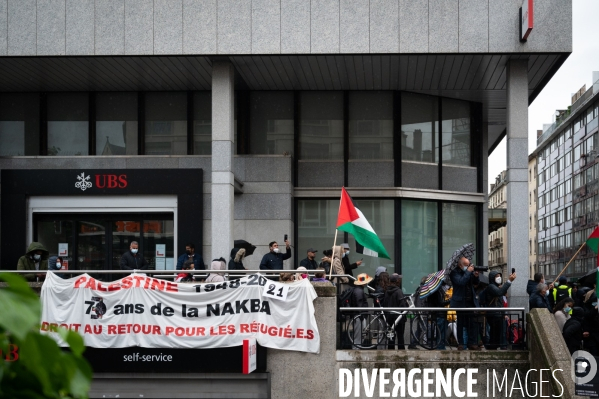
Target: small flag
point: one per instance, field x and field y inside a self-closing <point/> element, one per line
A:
<point x="352" y="220"/>
<point x="593" y="240"/>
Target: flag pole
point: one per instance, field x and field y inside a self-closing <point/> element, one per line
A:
<point x="333" y="255"/>
<point x="568" y="264"/>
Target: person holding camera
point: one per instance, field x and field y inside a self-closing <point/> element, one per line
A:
<point x="465" y="279"/>
<point x="273" y="260"/>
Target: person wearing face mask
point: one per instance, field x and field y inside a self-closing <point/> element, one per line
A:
<point x="132" y="260"/>
<point x="273" y="260"/>
<point x="562" y="311"/>
<point x="347" y="266"/>
<point x="465" y="280"/>
<point x="492" y="298"/>
<point x="560" y="291"/>
<point x="36" y="258"/>
<point x="190" y="253"/>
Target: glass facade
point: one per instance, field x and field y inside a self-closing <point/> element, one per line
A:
<point x="421" y="244"/>
<point x="202" y="123"/>
<point x="455" y="136"/>
<point x="68" y="124"/>
<point x="419" y="128"/>
<point x="271" y="122"/>
<point x="116" y="123"/>
<point x="321" y="126"/>
<point x="166" y="124"/>
<point x="19" y="124"/>
<point x="370" y="125"/>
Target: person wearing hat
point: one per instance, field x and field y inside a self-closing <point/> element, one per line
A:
<point x="374" y="284"/>
<point x="347" y="266"/>
<point x="359" y="300"/>
<point x="35" y="259"/>
<point x="560" y="291"/>
<point x="309" y="263"/>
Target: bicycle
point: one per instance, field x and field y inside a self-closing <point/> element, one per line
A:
<point x="370" y="330"/>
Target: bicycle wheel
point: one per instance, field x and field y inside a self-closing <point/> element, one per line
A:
<point x="366" y="331"/>
<point x="425" y="332"/>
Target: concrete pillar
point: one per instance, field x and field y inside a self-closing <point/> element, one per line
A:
<point x="223" y="119"/>
<point x="517" y="178"/>
<point x="485" y="211"/>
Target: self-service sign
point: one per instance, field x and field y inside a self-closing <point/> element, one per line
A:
<point x="249" y="355"/>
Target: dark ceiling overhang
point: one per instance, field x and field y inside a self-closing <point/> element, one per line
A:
<point x="472" y="77"/>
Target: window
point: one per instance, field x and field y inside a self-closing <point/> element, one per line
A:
<point x="271" y="122"/>
<point x="455" y="139"/>
<point x="116" y="123"/>
<point x="68" y="125"/>
<point x="567" y="133"/>
<point x="541" y="201"/>
<point x="577" y="153"/>
<point x="202" y="123"/>
<point x="568" y="159"/>
<point x="321" y="125"/>
<point x="370" y="125"/>
<point x="19" y="124"/>
<point x="166" y="123"/>
<point x="420" y="127"/>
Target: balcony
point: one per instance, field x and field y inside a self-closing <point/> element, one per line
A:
<point x="500" y="260"/>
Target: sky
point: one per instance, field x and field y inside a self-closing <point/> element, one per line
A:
<point x="574" y="73"/>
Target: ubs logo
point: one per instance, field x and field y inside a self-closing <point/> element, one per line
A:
<point x="111" y="181"/>
<point x="83" y="182"/>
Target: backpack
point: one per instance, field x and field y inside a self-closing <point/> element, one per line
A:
<point x="515" y="333"/>
<point x="345" y="300"/>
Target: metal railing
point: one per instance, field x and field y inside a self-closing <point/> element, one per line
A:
<point x="432" y="328"/>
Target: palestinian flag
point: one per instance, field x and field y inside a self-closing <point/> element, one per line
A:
<point x="351" y="220"/>
<point x="593" y="240"/>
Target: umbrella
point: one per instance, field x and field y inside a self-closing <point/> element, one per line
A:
<point x="589" y="279"/>
<point x="249" y="248"/>
<point x="432" y="283"/>
<point x="465" y="251"/>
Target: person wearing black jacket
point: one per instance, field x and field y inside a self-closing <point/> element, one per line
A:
<point x="573" y="331"/>
<point x="274" y="259"/>
<point x="236" y="259"/>
<point x="539" y="298"/>
<point x="591" y="323"/>
<point x="347" y="266"/>
<point x="394" y="297"/>
<point x="493" y="299"/>
<point x="131" y="260"/>
<point x="309" y="263"/>
<point x="359" y="301"/>
<point x="437" y="300"/>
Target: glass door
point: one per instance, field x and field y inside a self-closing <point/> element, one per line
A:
<point x="91" y="245"/>
<point x="123" y="233"/>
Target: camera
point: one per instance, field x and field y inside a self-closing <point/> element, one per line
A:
<point x="481" y="268"/>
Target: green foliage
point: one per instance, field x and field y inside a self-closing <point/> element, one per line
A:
<point x="42" y="369"/>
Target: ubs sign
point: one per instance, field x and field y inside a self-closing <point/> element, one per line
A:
<point x="102" y="181"/>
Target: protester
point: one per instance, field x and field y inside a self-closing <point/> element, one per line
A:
<point x="217" y="264"/>
<point x="493" y="298"/>
<point x="186" y="277"/>
<point x="132" y="260"/>
<point x="531" y="287"/>
<point x="326" y="261"/>
<point x="437" y="300"/>
<point x="359" y="300"/>
<point x="236" y="259"/>
<point x="287" y="277"/>
<point x="561" y="311"/>
<point x="36" y="258"/>
<point x="347" y="265"/>
<point x="382" y="282"/>
<point x="560" y="291"/>
<point x="394" y="297"/>
<point x="309" y="263"/>
<point x="573" y="332"/>
<point x="273" y="260"/>
<point x="591" y="323"/>
<point x="580" y="295"/>
<point x="375" y="282"/>
<point x="55" y="263"/>
<point x="300" y="275"/>
<point x="465" y="280"/>
<point x="539" y="298"/>
<point x="198" y="262"/>
<point x="337" y="266"/>
<point x="320" y="277"/>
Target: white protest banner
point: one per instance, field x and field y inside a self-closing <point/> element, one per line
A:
<point x="139" y="310"/>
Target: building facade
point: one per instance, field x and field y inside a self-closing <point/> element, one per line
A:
<point x="498" y="248"/>
<point x="532" y="215"/>
<point x="567" y="172"/>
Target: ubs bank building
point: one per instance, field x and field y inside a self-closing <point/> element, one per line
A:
<point x="206" y="121"/>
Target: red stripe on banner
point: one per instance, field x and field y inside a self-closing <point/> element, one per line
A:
<point x="246" y="357"/>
